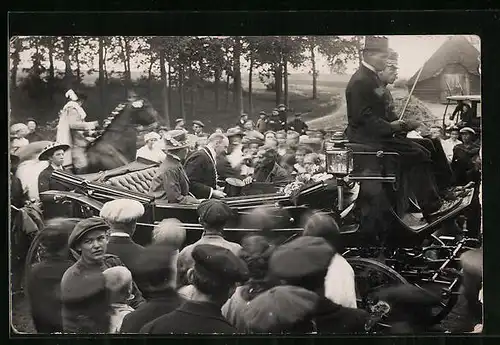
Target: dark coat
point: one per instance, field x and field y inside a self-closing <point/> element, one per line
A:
<point x="171" y="183"/>
<point x="298" y="126"/>
<point x="274" y="124"/>
<point x="34" y="136"/>
<point x="126" y="249"/>
<point x="333" y="318"/>
<point x="44" y="293"/>
<point x="201" y="172"/>
<point x="367" y="119"/>
<point x="225" y="169"/>
<point x="193" y="318"/>
<point x="158" y="303"/>
<point x="45" y="183"/>
<point x="17" y="195"/>
<point x="277" y="175"/>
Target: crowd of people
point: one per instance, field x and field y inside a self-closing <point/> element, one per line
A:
<point x="95" y="279"/>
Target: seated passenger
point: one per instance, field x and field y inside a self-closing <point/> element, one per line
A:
<point x="171" y="182"/>
<point x="151" y="151"/>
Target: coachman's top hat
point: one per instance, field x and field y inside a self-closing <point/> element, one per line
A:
<point x="376" y="43"/>
<point x="392" y="59"/>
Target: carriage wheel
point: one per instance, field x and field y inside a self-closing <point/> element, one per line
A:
<point x="34" y="255"/>
<point x="370" y="276"/>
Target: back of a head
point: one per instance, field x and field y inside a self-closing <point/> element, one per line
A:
<point x="322" y="225"/>
<point x="169" y="232"/>
<point x="216" y="138"/>
<point x="118" y="280"/>
<point x="55" y="234"/>
<point x="256" y="251"/>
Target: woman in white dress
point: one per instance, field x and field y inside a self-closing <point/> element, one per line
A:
<point x="71" y="128"/>
<point x="151" y="151"/>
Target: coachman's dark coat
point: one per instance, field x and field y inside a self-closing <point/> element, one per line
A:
<point x="368" y="119"/>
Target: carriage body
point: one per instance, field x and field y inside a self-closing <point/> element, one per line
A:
<point x="473" y="116"/>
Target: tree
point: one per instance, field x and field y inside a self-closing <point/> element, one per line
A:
<point x="238" y="92"/>
<point x="68" y="73"/>
<point x="16" y="47"/>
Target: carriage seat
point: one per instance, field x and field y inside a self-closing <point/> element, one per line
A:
<point x="136" y="181"/>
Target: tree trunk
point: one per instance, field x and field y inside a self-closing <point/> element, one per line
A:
<point x="228" y="90"/>
<point x="105" y="65"/>
<point x="314" y="72"/>
<point x="51" y="67"/>
<point x="278" y="77"/>
<point x="124" y="61"/>
<point x="169" y="91"/>
<point x="164" y="87"/>
<point x="101" y="70"/>
<point x="77" y="60"/>
<point x="68" y="73"/>
<point x="18" y="45"/>
<point x="250" y="75"/>
<point x="285" y="80"/>
<point x="181" y="90"/>
<point x="127" y="60"/>
<point x="217" y="76"/>
<point x="150" y="74"/>
<point x="238" y="92"/>
<point x="192" y="88"/>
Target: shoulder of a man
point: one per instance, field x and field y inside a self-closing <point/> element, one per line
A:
<point x="72" y="272"/>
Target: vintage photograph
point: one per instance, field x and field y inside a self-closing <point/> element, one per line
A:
<point x="245" y="184"/>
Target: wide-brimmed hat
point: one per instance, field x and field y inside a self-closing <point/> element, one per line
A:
<point x="376" y="43"/>
<point x="50" y="149"/>
<point x="17" y="127"/>
<point x="231" y="132"/>
<point x="175" y="139"/>
<point x="179" y="120"/>
<point x="467" y="130"/>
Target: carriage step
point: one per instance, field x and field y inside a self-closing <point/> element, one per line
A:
<point x="415" y="221"/>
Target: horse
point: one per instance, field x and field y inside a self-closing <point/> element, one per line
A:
<point x="113" y="148"/>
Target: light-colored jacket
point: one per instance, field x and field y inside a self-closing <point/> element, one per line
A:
<point x="339" y="282"/>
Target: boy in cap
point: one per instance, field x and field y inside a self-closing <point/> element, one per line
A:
<point x="274" y="124"/>
<point x="121" y="215"/>
<point x="154" y="275"/>
<point x="262" y="122"/>
<point x="33" y="135"/>
<point x="214" y="275"/>
<point x="118" y="282"/>
<point x="213" y="216"/>
<point x="179" y="123"/>
<point x="282" y="113"/>
<point x="88" y="240"/>
<point x="298" y="125"/>
<point x="242" y="120"/>
<point x="463" y="155"/>
<point x="301" y="265"/>
<point x="54" y="154"/>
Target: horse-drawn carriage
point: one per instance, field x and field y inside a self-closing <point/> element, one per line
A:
<point x="414" y="252"/>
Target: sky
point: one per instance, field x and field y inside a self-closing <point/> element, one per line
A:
<point x="413" y="51"/>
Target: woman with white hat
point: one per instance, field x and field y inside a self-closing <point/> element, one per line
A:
<point x="151" y="150"/>
<point x="70" y="130"/>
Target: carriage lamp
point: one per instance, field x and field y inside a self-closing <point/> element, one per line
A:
<point x="339" y="158"/>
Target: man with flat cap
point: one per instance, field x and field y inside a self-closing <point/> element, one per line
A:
<point x="88" y="241"/>
<point x="368" y="124"/>
<point x="121" y="215"/>
<point x="274" y="123"/>
<point x="213" y="216"/>
<point x="214" y="276"/>
<point x="153" y="273"/>
<point x="301" y="265"/>
<point x="201" y="168"/>
<point x="171" y="182"/>
<point x="179" y="124"/>
<point x="298" y="125"/>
